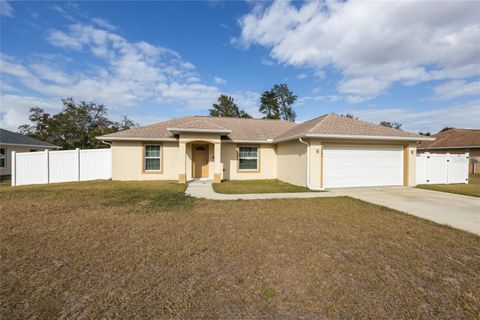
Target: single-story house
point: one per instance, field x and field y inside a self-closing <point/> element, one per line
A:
<point x="456" y="141"/>
<point x="325" y="152"/>
<point x="12" y="141"/>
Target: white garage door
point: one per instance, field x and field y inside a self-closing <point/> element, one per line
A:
<point x="362" y="166"/>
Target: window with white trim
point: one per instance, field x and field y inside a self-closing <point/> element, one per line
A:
<point x="2" y="158"/>
<point x="152" y="157"/>
<point x="248" y="158"/>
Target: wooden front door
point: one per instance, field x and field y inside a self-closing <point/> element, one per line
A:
<point x="200" y="161"/>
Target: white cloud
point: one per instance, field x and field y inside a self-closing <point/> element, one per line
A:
<point x="6" y="9"/>
<point x="460" y="116"/>
<point x="47" y="72"/>
<point x="302" y="100"/>
<point x="127" y="74"/>
<point x="104" y="24"/>
<point x="267" y="62"/>
<point x="193" y="79"/>
<point x="123" y="74"/>
<point x="372" y="43"/>
<point x="368" y="86"/>
<point x="195" y="95"/>
<point x="455" y="89"/>
<point x="301" y="76"/>
<point x="219" y="81"/>
<point x="248" y="101"/>
<point x="14" y="111"/>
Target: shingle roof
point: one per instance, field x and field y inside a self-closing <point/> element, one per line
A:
<point x="200" y="124"/>
<point x="245" y="129"/>
<point x="241" y="128"/>
<point x="453" y="138"/>
<point x="9" y="137"/>
<point x="333" y="124"/>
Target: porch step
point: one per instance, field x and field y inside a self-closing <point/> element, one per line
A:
<point x="200" y="182"/>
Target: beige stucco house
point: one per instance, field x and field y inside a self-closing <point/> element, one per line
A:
<point x="325" y="152"/>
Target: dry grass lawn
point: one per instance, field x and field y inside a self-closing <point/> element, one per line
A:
<point x="256" y="186"/>
<point x="470" y="189"/>
<point x="143" y="250"/>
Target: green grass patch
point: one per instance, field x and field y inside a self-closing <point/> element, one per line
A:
<point x="270" y="294"/>
<point x="471" y="189"/>
<point x="5" y="181"/>
<point x="162" y="196"/>
<point x="138" y="195"/>
<point x="256" y="186"/>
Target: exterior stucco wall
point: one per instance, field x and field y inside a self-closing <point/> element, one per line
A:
<point x="292" y="162"/>
<point x="316" y="153"/>
<point x="285" y="161"/>
<point x="410" y="173"/>
<point x="7" y="170"/>
<point x="267" y="163"/>
<point x="127" y="161"/>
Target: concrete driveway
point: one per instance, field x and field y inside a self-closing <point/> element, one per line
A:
<point x="461" y="212"/>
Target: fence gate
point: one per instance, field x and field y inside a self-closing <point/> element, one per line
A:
<point x="442" y="168"/>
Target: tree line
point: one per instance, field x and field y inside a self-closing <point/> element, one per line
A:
<point x="275" y="103"/>
<point x="76" y="126"/>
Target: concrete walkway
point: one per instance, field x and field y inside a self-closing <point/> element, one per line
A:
<point x="204" y="189"/>
<point x="458" y="211"/>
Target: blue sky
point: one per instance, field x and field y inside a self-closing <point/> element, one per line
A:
<point x="409" y="62"/>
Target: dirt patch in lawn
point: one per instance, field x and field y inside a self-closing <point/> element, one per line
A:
<point x="256" y="186"/>
<point x="77" y="251"/>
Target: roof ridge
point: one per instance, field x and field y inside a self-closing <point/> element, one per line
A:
<point x="239" y="118"/>
<point x="202" y="120"/>
<point x="322" y="119"/>
<point x="370" y="123"/>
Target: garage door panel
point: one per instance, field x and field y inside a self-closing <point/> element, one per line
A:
<point x="362" y="166"/>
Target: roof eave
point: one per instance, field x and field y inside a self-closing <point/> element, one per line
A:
<point x="367" y="137"/>
<point x="106" y="138"/>
<point x="268" y="141"/>
<point x="354" y="137"/>
<point x="31" y="145"/>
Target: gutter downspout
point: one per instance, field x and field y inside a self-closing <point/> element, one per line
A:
<point x="308" y="166"/>
<point x="107" y="143"/>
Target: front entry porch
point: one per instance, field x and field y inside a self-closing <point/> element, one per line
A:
<point x="200" y="158"/>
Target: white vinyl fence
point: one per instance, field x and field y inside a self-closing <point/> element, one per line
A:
<point x="442" y="168"/>
<point x="61" y="166"/>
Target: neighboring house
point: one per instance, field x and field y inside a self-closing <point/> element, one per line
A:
<point x="11" y="141"/>
<point x="456" y="141"/>
<point x="325" y="152"/>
